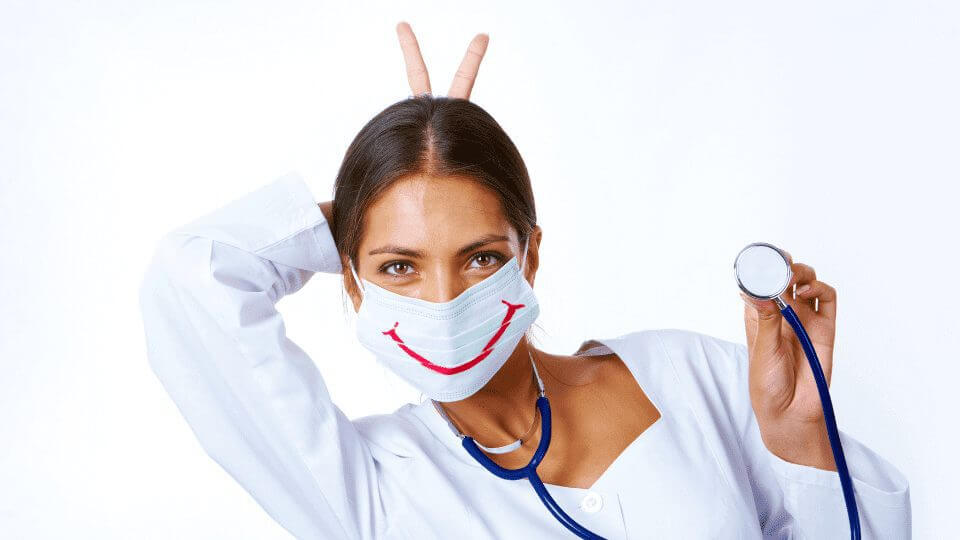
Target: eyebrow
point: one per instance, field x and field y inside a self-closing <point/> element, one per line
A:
<point x="405" y="251"/>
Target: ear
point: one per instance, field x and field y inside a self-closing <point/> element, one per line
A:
<point x="352" y="287"/>
<point x="533" y="255"/>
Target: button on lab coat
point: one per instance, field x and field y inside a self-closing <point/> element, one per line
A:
<point x="261" y="409"/>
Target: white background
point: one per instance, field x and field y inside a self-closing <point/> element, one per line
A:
<point x="661" y="138"/>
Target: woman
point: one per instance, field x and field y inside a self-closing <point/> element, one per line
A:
<point x="655" y="434"/>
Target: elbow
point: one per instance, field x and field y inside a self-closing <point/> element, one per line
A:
<point x="156" y="282"/>
<point x="177" y="259"/>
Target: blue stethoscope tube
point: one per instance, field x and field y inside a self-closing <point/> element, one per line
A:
<point x="845" y="482"/>
<point x="530" y="472"/>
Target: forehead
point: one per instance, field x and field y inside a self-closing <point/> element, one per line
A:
<point x="422" y="211"/>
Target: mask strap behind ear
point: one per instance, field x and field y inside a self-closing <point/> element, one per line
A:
<point x="356" y="278"/>
<point x="525" y="246"/>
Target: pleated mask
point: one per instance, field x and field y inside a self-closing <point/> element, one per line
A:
<point x="448" y="350"/>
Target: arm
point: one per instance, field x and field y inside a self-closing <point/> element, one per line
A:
<point x="800" y="501"/>
<point x="254" y="399"/>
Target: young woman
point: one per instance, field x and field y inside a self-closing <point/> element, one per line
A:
<point x="658" y="433"/>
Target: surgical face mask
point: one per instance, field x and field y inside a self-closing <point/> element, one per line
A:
<point x="448" y="350"/>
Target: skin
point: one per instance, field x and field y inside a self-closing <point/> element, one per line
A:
<point x="783" y="391"/>
<point x="597" y="405"/>
<point x="417" y="75"/>
<point x="590" y="398"/>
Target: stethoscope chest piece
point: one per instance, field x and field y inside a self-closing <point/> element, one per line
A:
<point x="763" y="272"/>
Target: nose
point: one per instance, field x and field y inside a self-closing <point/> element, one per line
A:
<point x="443" y="285"/>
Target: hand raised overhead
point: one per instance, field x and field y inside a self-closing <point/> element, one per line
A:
<point x="419" y="80"/>
<point x="417" y="74"/>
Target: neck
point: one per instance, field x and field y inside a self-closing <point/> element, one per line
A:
<point x="501" y="411"/>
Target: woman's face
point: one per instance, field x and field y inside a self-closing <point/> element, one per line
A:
<point x="432" y="237"/>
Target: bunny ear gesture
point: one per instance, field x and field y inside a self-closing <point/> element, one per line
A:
<point x="462" y="83"/>
<point x="416" y="70"/>
<point x="417" y="74"/>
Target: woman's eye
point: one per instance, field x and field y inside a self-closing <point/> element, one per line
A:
<point x="394" y="265"/>
<point x="487" y="259"/>
<point x="484" y="259"/>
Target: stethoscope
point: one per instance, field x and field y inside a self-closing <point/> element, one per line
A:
<point x="763" y="272"/>
<point x="529" y="471"/>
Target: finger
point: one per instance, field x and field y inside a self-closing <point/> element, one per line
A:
<point x="467" y="72"/>
<point x="416" y="70"/>
<point x="825" y="294"/>
<point x="802" y="274"/>
<point x="762" y="323"/>
<point x="787" y="255"/>
<point x="749" y="323"/>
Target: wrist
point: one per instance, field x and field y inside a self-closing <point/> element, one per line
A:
<point x="807" y="445"/>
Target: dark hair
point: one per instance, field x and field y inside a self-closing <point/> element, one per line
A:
<point x="432" y="135"/>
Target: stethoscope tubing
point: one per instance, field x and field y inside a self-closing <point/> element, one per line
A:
<point x="845" y="481"/>
<point x="529" y="471"/>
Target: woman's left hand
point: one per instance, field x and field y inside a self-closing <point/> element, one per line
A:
<point x="417" y="74"/>
<point x="783" y="391"/>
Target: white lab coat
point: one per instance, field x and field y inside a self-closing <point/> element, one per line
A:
<point x="261" y="409"/>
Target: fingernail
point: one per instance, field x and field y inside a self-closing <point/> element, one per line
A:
<point x="803" y="289"/>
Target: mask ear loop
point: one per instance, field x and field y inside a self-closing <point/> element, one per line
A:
<point x="526" y="245"/>
<point x="356" y="278"/>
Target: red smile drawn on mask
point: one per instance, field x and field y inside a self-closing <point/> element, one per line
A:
<point x="487" y="349"/>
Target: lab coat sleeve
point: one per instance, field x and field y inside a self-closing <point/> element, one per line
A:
<point x="254" y="399"/>
<point x="799" y="501"/>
